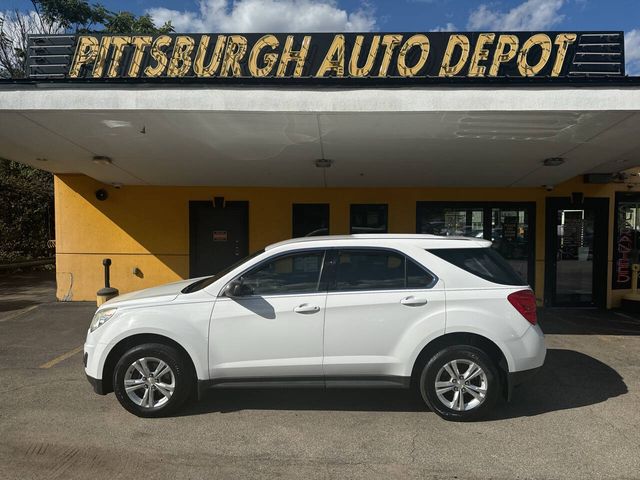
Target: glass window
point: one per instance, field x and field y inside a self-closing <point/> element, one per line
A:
<point x="626" y="249"/>
<point x="379" y="270"/>
<point x="369" y="270"/>
<point x="310" y="219"/>
<point x="485" y="263"/>
<point x="418" y="277"/>
<point x="369" y="218"/>
<point x="298" y="273"/>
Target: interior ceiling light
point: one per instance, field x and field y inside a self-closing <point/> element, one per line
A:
<point x="102" y="160"/>
<point x="553" y="162"/>
<point x="324" y="163"/>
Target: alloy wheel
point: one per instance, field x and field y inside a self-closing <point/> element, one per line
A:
<point x="461" y="385"/>
<point x="149" y="382"/>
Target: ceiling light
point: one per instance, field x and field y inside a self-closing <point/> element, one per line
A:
<point x="102" y="160"/>
<point x="553" y="162"/>
<point x="324" y="163"/>
<point x="41" y="159"/>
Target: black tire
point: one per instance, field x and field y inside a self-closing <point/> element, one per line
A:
<point x="184" y="379"/>
<point x="436" y="365"/>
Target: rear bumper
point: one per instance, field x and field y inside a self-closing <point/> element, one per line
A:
<point x="97" y="385"/>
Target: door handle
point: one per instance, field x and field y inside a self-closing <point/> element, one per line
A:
<point x="306" y="308"/>
<point x="412" y="301"/>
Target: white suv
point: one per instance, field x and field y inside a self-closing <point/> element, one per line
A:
<point x="446" y="316"/>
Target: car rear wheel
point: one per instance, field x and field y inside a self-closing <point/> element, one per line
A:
<point x="152" y="380"/>
<point x="460" y="383"/>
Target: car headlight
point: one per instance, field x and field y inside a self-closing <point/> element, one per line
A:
<point x="101" y="317"/>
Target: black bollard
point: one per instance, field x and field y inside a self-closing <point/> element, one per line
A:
<point x="107" y="292"/>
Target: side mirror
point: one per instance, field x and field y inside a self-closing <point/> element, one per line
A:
<point x="236" y="288"/>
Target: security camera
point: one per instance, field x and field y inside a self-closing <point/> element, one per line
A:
<point x="102" y="194"/>
<point x="548" y="188"/>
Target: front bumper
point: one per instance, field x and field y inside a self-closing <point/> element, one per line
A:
<point x="97" y="385"/>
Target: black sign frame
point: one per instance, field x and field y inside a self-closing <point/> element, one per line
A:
<point x="328" y="58"/>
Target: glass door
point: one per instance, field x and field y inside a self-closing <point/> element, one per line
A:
<point x="576" y="252"/>
<point x="508" y="225"/>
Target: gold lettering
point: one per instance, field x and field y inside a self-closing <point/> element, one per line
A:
<point x="563" y="41"/>
<point x="415" y="41"/>
<point x="159" y="56"/>
<point x="390" y="42"/>
<point x="209" y="70"/>
<point x="455" y="41"/>
<point x="334" y="59"/>
<point x="354" y="69"/>
<point x="500" y="55"/>
<point x="180" y="62"/>
<point x="270" y="59"/>
<point x="118" y="42"/>
<point x="86" y="52"/>
<point x="480" y="54"/>
<point x="289" y="55"/>
<point x="101" y="60"/>
<point x="140" y="43"/>
<point x="544" y="42"/>
<point x="236" y="48"/>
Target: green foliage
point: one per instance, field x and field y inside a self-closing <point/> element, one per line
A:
<point x="127" y="23"/>
<point x="26" y="206"/>
<point x="80" y="16"/>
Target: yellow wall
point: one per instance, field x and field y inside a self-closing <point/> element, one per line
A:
<point x="148" y="226"/>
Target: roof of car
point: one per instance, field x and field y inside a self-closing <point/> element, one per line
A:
<point x="422" y="240"/>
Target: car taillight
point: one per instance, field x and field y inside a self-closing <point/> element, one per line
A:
<point x="524" y="302"/>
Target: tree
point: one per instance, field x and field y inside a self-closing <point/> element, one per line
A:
<point x="26" y="206"/>
<point x="62" y="16"/>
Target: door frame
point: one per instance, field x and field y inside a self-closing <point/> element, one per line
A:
<point x="193" y="204"/>
<point x="600" y="205"/>
<point x="486" y="207"/>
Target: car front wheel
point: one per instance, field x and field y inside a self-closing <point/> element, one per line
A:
<point x="152" y="380"/>
<point x="460" y="383"/>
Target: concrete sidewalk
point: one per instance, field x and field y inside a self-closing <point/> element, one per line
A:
<point x="577" y="419"/>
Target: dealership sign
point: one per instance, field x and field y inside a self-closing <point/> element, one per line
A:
<point x="319" y="56"/>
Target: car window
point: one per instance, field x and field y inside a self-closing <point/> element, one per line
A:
<point x="370" y="270"/>
<point x="418" y="277"/>
<point x="485" y="263"/>
<point x="296" y="273"/>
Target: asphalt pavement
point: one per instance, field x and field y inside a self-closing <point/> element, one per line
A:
<point x="579" y="418"/>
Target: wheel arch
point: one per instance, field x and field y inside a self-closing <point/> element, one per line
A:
<point x="132" y="341"/>
<point x="463" y="338"/>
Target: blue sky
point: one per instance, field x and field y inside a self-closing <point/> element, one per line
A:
<point x="389" y="15"/>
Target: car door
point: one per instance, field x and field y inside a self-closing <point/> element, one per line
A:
<point x="380" y="306"/>
<point x="276" y="329"/>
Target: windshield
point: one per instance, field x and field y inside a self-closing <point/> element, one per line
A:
<point x="205" y="282"/>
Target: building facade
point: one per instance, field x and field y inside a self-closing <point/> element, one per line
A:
<point x="176" y="156"/>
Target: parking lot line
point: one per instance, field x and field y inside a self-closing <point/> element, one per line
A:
<point x="62" y="357"/>
<point x="18" y="313"/>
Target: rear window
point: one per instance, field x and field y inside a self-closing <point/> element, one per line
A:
<point x="485" y="263"/>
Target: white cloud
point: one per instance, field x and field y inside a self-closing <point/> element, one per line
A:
<point x="529" y="15"/>
<point x="449" y="27"/>
<point x="246" y="16"/>
<point x="632" y="51"/>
